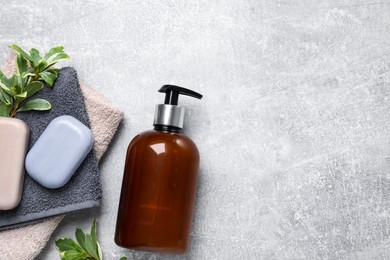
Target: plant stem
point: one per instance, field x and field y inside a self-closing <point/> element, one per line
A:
<point x="15" y="109"/>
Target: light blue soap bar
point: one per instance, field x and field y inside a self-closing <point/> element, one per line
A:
<point x="59" y="151"/>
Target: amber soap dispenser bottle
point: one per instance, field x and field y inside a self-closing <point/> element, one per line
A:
<point x="159" y="182"/>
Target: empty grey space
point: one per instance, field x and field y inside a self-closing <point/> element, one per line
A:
<point x="293" y="129"/>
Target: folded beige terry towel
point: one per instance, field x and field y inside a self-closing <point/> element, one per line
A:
<point x="27" y="242"/>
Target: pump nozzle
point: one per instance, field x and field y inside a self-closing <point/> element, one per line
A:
<point x="172" y="94"/>
<point x="170" y="114"/>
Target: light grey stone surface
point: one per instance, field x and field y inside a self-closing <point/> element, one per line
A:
<point x="293" y="130"/>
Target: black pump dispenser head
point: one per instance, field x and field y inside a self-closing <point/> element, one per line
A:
<point x="169" y="113"/>
<point x="172" y="94"/>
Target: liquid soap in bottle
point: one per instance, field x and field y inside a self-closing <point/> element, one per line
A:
<point x="159" y="182"/>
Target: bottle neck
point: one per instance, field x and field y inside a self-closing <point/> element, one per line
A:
<point x="169" y="115"/>
<point x="167" y="128"/>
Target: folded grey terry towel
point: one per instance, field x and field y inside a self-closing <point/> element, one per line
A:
<point x="84" y="188"/>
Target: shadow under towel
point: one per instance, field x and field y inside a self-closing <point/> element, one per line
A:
<point x="84" y="188"/>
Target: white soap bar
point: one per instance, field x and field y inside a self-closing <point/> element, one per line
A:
<point x="14" y="136"/>
<point x="59" y="151"/>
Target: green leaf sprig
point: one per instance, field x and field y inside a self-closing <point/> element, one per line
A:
<point x="86" y="248"/>
<point x="32" y="71"/>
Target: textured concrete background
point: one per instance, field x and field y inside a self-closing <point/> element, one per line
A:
<point x="294" y="128"/>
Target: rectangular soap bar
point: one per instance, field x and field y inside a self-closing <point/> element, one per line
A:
<point x="14" y="136"/>
<point x="59" y="151"/>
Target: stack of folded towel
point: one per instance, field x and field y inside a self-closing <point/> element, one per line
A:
<point x="82" y="191"/>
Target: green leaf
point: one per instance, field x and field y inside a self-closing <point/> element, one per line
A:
<point x="8" y="98"/>
<point x="21" y="51"/>
<point x="90" y="246"/>
<point x="80" y="236"/>
<point x="26" y="74"/>
<point x="48" y="77"/>
<point x="22" y="64"/>
<point x="99" y="250"/>
<point x="62" y="255"/>
<point x="5" y="80"/>
<point x="35" y="57"/>
<point x="20" y="97"/>
<point x="41" y="66"/>
<point x="16" y="90"/>
<point x="6" y="89"/>
<point x="54" y="71"/>
<point x="35" y="104"/>
<point x="5" y="109"/>
<point x="77" y="247"/>
<point x="56" y="58"/>
<point x="123" y="258"/>
<point x="94" y="239"/>
<point x="54" y="51"/>
<point x="33" y="87"/>
<point x="2" y="97"/>
<point x="14" y="79"/>
<point x="64" y="244"/>
<point x="21" y="68"/>
<point x="93" y="231"/>
<point x="75" y="255"/>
